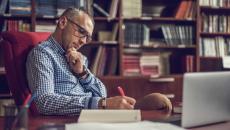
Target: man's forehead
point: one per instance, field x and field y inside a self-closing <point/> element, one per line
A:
<point x="84" y="21"/>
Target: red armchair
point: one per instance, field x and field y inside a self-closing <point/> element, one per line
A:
<point x="16" y="47"/>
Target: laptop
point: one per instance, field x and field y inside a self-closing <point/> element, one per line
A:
<point x="206" y="98"/>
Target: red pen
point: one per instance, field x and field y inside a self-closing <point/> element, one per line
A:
<point x="27" y="100"/>
<point x="121" y="91"/>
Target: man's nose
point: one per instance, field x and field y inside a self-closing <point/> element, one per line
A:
<point x="83" y="40"/>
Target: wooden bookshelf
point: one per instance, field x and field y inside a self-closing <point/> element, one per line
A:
<point x="168" y="20"/>
<point x="217" y="32"/>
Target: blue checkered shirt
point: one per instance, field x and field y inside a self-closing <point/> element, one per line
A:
<point x="57" y="90"/>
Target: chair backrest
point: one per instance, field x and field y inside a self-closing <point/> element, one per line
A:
<point x="16" y="47"/>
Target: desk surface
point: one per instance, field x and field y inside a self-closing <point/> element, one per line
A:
<point x="36" y="121"/>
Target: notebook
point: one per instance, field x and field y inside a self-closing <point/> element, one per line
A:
<point x="109" y="116"/>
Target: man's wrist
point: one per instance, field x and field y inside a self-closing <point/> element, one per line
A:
<point x="82" y="74"/>
<point x="102" y="103"/>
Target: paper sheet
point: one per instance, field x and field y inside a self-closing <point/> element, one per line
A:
<point x="226" y="62"/>
<point x="142" y="125"/>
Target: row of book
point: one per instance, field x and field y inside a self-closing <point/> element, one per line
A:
<point x="110" y="13"/>
<point x="109" y="36"/>
<point x="20" y="7"/>
<point x="215" y="3"/>
<point x="131" y="8"/>
<point x="16" y="7"/>
<point x="178" y="34"/>
<point x="186" y="10"/>
<point x="136" y="34"/>
<point x="16" y="25"/>
<point x="215" y="47"/>
<point x="55" y="8"/>
<point x="49" y="8"/>
<point x="156" y="64"/>
<point x="215" y="23"/>
<point x="43" y="26"/>
<point x="104" y="61"/>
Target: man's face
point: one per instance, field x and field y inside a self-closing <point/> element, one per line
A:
<point x="77" y="32"/>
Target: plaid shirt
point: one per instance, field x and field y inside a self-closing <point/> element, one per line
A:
<point x="57" y="90"/>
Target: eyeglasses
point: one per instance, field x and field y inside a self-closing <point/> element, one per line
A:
<point x="82" y="31"/>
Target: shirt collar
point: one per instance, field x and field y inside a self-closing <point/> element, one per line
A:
<point x="56" y="46"/>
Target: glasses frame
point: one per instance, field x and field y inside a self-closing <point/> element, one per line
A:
<point x="81" y="31"/>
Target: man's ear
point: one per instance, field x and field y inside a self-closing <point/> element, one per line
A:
<point x="62" y="22"/>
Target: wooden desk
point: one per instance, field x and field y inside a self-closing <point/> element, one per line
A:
<point x="37" y="121"/>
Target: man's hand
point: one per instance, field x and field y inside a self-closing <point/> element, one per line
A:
<point x="75" y="60"/>
<point x="120" y="102"/>
<point x="154" y="101"/>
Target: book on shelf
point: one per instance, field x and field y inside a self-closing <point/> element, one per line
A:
<point x="113" y="9"/>
<point x="22" y="7"/>
<point x="100" y="9"/>
<point x="215" y="47"/>
<point x="213" y="23"/>
<point x="105" y="61"/>
<point x="136" y="34"/>
<point x="112" y="65"/>
<point x="64" y="4"/>
<point x="187" y="63"/>
<point x="131" y="65"/>
<point x="45" y="26"/>
<point x="46" y="8"/>
<point x="148" y="63"/>
<point x="4" y="102"/>
<point x="3" y="6"/>
<point x="131" y="8"/>
<point x="214" y="3"/>
<point x="104" y="36"/>
<point x="178" y="34"/>
<point x="16" y="25"/>
<point x="109" y="36"/>
<point x="186" y="10"/>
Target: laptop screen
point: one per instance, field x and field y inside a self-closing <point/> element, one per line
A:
<point x="206" y="98"/>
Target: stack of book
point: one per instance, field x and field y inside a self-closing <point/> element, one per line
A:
<point x="149" y="64"/>
<point x="131" y="65"/>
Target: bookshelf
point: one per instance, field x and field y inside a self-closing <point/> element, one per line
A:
<point x="213" y="40"/>
<point x="130" y="33"/>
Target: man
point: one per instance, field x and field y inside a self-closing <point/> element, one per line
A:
<point x="58" y="75"/>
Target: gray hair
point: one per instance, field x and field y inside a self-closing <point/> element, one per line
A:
<point x="75" y="12"/>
